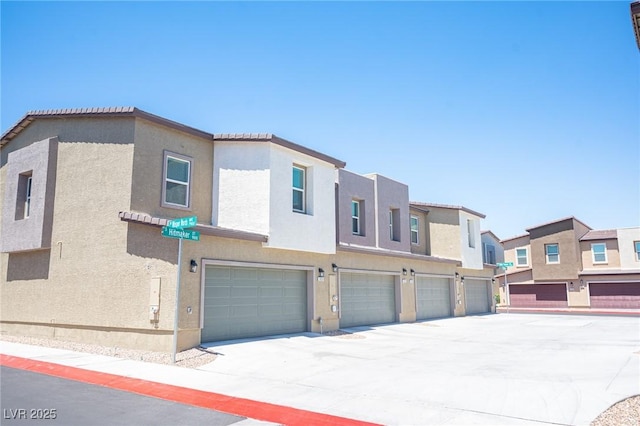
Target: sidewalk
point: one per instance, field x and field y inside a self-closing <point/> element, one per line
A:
<point x="574" y="311"/>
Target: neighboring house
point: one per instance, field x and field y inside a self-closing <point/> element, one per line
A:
<point x="634" y="8"/>
<point x="289" y="240"/>
<point x="565" y="264"/>
<point x="453" y="232"/>
<point x="492" y="250"/>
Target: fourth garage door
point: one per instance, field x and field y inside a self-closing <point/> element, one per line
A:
<point x="251" y="302"/>
<point x="477" y="296"/>
<point x="433" y="297"/>
<point x="366" y="299"/>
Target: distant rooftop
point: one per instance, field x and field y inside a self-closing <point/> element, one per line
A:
<point x="418" y="204"/>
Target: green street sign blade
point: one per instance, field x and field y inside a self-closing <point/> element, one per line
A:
<point x="185" y="234"/>
<point x="504" y="264"/>
<point x="183" y="222"/>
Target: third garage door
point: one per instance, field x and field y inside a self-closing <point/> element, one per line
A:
<point x="366" y="299"/>
<point x="433" y="297"/>
<point x="476" y="293"/>
<point x="615" y="295"/>
<point x="538" y="295"/>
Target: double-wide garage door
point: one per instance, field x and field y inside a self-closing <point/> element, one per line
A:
<point x="538" y="295"/>
<point x="615" y="295"/>
<point x="433" y="297"/>
<point x="244" y="302"/>
<point x="366" y="299"/>
<point x="476" y="294"/>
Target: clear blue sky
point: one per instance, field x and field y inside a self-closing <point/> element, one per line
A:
<point x="527" y="112"/>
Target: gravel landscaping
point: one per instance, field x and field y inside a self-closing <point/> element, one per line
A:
<point x="623" y="413"/>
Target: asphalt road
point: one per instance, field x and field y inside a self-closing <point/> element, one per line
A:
<point x="33" y="398"/>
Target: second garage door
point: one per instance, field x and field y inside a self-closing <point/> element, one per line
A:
<point x="476" y="294"/>
<point x="251" y="302"/>
<point x="538" y="295"/>
<point x="615" y="295"/>
<point x="366" y="299"/>
<point x="433" y="297"/>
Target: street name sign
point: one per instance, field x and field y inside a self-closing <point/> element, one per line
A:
<point x="183" y="234"/>
<point x="183" y="222"/>
<point x="504" y="264"/>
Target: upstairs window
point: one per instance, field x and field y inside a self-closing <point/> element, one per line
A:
<point x="298" y="187"/>
<point x="490" y="254"/>
<point x="471" y="236"/>
<point x="552" y="252"/>
<point x="23" y="202"/>
<point x="599" y="252"/>
<point x="394" y="224"/>
<point x="355" y="217"/>
<point x="522" y="257"/>
<point x="636" y="246"/>
<point x="414" y="230"/>
<point x="177" y="181"/>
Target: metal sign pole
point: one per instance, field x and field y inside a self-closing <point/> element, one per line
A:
<point x="177" y="308"/>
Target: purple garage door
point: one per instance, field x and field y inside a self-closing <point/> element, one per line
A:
<point x="615" y="295"/>
<point x="538" y="295"/>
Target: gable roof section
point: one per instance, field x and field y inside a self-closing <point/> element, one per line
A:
<point x="269" y="137"/>
<point x="557" y="221"/>
<point x="129" y="111"/>
<point x="488" y="232"/>
<point x="607" y="234"/>
<point x="418" y="205"/>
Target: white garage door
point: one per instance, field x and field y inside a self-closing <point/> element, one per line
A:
<point x="251" y="302"/>
<point x="366" y="299"/>
<point x="433" y="297"/>
<point x="477" y="296"/>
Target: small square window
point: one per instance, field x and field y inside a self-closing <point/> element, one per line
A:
<point x="176" y="190"/>
<point x="522" y="257"/>
<point x="599" y="252"/>
<point x="552" y="252"/>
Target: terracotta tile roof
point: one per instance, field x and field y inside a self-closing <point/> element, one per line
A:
<point x="128" y="111"/>
<point x="203" y="229"/>
<point x="608" y="234"/>
<point x="393" y="253"/>
<point x="514" y="238"/>
<point x="418" y="204"/>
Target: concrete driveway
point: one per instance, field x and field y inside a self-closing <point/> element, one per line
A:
<point x="518" y="369"/>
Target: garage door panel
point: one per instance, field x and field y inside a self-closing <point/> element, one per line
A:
<point x="366" y="299"/>
<point x="433" y="297"/>
<point x="615" y="295"/>
<point x="538" y="295"/>
<point x="476" y="296"/>
<point x="251" y="302"/>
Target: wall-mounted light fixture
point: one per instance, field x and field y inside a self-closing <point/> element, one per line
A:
<point x="462" y="280"/>
<point x="493" y="280"/>
<point x="571" y="285"/>
<point x="413" y="273"/>
<point x="404" y="271"/>
<point x="334" y="267"/>
<point x="320" y="273"/>
<point x="193" y="266"/>
<point x="457" y="275"/>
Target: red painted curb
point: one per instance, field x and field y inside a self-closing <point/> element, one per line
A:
<point x="227" y="404"/>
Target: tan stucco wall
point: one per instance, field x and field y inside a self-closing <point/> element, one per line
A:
<point x="613" y="255"/>
<point x="444" y="229"/>
<point x="423" y="246"/>
<point x="569" y="256"/>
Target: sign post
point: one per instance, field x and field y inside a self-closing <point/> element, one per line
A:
<point x="505" y="265"/>
<point x="176" y="229"/>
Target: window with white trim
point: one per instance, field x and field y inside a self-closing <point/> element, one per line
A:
<point x="599" y="252"/>
<point x="299" y="187"/>
<point x="394" y="224"/>
<point x="176" y="190"/>
<point x="23" y="202"/>
<point x="355" y="217"/>
<point x="471" y="236"/>
<point x="636" y="246"/>
<point x="415" y="229"/>
<point x="522" y="257"/>
<point x="552" y="253"/>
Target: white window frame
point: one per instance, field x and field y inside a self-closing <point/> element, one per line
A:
<point x="526" y="255"/>
<point x="355" y="218"/>
<point x="546" y="253"/>
<point x="415" y="233"/>
<point x="27" y="197"/>
<point x="394" y="234"/>
<point x="391" y="225"/>
<point x="471" y="236"/>
<point x="165" y="179"/>
<point x="299" y="190"/>
<point x="593" y="253"/>
<point x="636" y="247"/>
